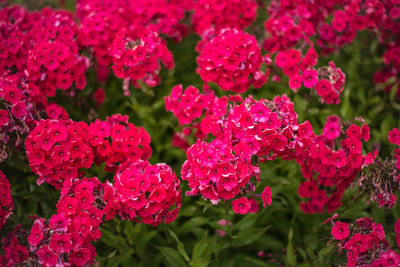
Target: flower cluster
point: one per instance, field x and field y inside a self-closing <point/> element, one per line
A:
<point x="262" y="130"/>
<point x="115" y="141"/>
<point x="55" y="65"/>
<point x="397" y="231"/>
<point x="18" y="114"/>
<point x="211" y="16"/>
<point x="15" y="253"/>
<point x="58" y="149"/>
<point x="147" y="193"/>
<point x="394" y="138"/>
<point x="98" y="28"/>
<point x="232" y="60"/>
<point x="42" y="47"/>
<point x="332" y="161"/>
<point x="327" y="81"/>
<point x="364" y="243"/>
<point x="100" y="23"/>
<point x="380" y="180"/>
<point x="39" y="53"/>
<point x="165" y="15"/>
<point x="137" y="53"/>
<point x="6" y="202"/>
<point x="66" y="237"/>
<point x="214" y="171"/>
<point x="188" y="105"/>
<point x="334" y="24"/>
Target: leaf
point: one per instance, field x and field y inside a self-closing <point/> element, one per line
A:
<point x="180" y="246"/>
<point x="202" y="251"/>
<point x="129" y="231"/>
<point x="248" y="236"/>
<point x="113" y="240"/>
<point x="247" y="221"/>
<point x="256" y="262"/>
<point x="290" y="256"/>
<point x="193" y="222"/>
<point x="121" y="259"/>
<point x="324" y="252"/>
<point x="172" y="257"/>
<point x="141" y="241"/>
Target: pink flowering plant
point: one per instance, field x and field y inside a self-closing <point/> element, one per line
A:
<point x="199" y="133"/>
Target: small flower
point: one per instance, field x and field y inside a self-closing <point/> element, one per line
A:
<point x="241" y="205"/>
<point x="340" y="230"/>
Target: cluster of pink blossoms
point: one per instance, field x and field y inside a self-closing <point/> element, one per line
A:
<point x="327" y="81"/>
<point x="335" y="24"/>
<point x="397" y="231"/>
<point x="381" y="179"/>
<point x="147" y="193"/>
<point x="43" y="47"/>
<point x="6" y="202"/>
<point x="137" y="53"/>
<point x="165" y="15"/>
<point x="58" y="149"/>
<point x="394" y="138"/>
<point x="17" y="114"/>
<point x="188" y="105"/>
<point x="262" y="130"/>
<point x="39" y="53"/>
<point x="211" y="16"/>
<point x="66" y="237"/>
<point x="143" y="193"/>
<point x="232" y="60"/>
<point x="14" y="252"/>
<point x="363" y="242"/>
<point x="331" y="164"/>
<point x="101" y="21"/>
<point x="268" y="130"/>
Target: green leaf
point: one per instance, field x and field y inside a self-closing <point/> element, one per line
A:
<point x="180" y="246"/>
<point x="290" y="256"/>
<point x="193" y="222"/>
<point x="121" y="259"/>
<point x="202" y="251"/>
<point x="114" y="240"/>
<point x="142" y="239"/>
<point x="248" y="236"/>
<point x="172" y="257"/>
<point x="322" y="255"/>
<point x="247" y="221"/>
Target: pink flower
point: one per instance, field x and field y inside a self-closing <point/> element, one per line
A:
<point x="323" y="88"/>
<point x="80" y="257"/>
<point x="47" y="257"/>
<point x="18" y="110"/>
<point x="340" y="230"/>
<point x="310" y="78"/>
<point x="36" y="234"/>
<point x="241" y="205"/>
<point x="266" y="196"/>
<point x="60" y="243"/>
<point x="4" y="117"/>
<point x="295" y="82"/>
<point x="331" y="130"/>
<point x="254" y="206"/>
